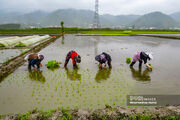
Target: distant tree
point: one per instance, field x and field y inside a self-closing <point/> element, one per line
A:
<point x="62" y="26"/>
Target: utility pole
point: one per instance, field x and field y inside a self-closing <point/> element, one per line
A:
<point x="96" y="23"/>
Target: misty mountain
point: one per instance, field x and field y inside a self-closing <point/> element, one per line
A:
<point x="71" y="17"/>
<point x="6" y="17"/>
<point x="84" y="18"/>
<point x="176" y="16"/>
<point x="120" y="20"/>
<point x="155" y="20"/>
<point x="31" y="18"/>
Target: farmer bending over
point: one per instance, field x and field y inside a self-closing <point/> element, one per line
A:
<point x="142" y="56"/>
<point x="34" y="59"/>
<point x="76" y="58"/>
<point x="103" y="58"/>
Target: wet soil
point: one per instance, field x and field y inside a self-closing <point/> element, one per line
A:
<point x="108" y="113"/>
<point x="90" y="87"/>
<point x="14" y="63"/>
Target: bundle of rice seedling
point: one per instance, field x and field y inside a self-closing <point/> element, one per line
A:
<point x="53" y="64"/>
<point x="128" y="60"/>
<point x="149" y="68"/>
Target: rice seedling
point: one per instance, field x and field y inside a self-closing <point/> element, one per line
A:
<point x="38" y="102"/>
<point x="78" y="90"/>
<point x="52" y="95"/>
<point x="128" y="60"/>
<point x="56" y="88"/>
<point x="60" y="102"/>
<point x="114" y="103"/>
<point x="149" y="68"/>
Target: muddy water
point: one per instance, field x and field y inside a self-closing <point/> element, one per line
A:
<point x="172" y="35"/>
<point x="7" y="54"/>
<point x="89" y="87"/>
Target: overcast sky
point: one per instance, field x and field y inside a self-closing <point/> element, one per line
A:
<point x="114" y="7"/>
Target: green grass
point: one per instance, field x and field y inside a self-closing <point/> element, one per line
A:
<point x="23" y="52"/>
<point x="1" y="45"/>
<point x="7" y="61"/>
<point x="24" y="116"/>
<point x="106" y="31"/>
<point x="66" y="116"/>
<point x="20" y="45"/>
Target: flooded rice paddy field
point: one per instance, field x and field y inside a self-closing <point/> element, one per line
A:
<point x="89" y="87"/>
<point x="172" y="35"/>
<point x="7" y="54"/>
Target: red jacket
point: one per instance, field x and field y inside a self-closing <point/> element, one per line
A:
<point x="71" y="55"/>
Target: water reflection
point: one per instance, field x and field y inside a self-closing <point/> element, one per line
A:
<point x="139" y="75"/>
<point x="102" y="74"/>
<point x="73" y="75"/>
<point x="62" y="41"/>
<point x="96" y="41"/>
<point x="36" y="75"/>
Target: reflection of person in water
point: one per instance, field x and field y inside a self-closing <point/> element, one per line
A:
<point x="36" y="75"/>
<point x="139" y="75"/>
<point x="102" y="74"/>
<point x="74" y="75"/>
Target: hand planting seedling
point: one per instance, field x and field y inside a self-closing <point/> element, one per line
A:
<point x="150" y="69"/>
<point x="53" y="64"/>
<point x="128" y="60"/>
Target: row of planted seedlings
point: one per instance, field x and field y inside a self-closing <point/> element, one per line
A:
<point x="54" y="89"/>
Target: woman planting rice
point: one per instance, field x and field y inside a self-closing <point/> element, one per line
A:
<point x="34" y="59"/>
<point x="103" y="58"/>
<point x="76" y="58"/>
<point x="142" y="56"/>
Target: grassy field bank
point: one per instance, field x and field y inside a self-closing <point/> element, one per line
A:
<point x="108" y="113"/>
<point x="85" y="31"/>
